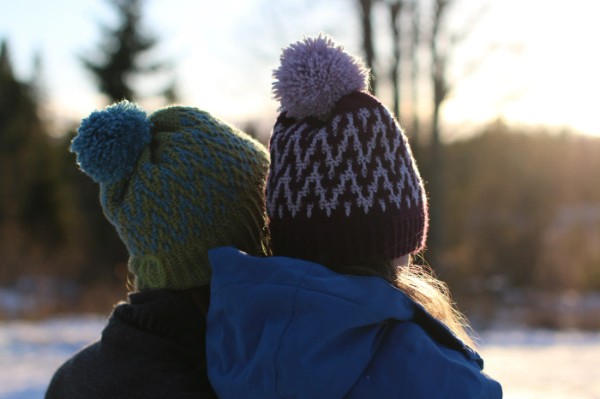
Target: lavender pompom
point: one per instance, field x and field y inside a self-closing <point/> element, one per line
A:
<point x="314" y="74"/>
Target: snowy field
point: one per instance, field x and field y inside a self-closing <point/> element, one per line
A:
<point x="544" y="364"/>
<point x="530" y="364"/>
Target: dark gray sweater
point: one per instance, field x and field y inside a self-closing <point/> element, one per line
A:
<point x="152" y="347"/>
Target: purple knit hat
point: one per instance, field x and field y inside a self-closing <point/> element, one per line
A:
<point x="343" y="184"/>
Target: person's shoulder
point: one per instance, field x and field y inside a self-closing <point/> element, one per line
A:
<point x="85" y="356"/>
<point x="424" y="366"/>
<point x="231" y="266"/>
<point x="72" y="372"/>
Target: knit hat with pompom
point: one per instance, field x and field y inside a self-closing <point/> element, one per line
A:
<point x="343" y="185"/>
<point x="174" y="185"/>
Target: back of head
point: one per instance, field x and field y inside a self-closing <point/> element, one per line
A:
<point x="174" y="185"/>
<point x="344" y="189"/>
<point x="343" y="185"/>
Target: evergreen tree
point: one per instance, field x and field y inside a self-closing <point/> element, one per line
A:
<point x="121" y="51"/>
<point x="30" y="208"/>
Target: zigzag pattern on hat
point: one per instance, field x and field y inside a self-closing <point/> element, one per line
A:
<point x="186" y="187"/>
<point x="337" y="168"/>
<point x="150" y="218"/>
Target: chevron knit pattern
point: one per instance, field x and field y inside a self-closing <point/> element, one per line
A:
<point x="197" y="185"/>
<point x="347" y="185"/>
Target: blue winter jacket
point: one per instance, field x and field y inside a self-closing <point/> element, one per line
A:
<point x="286" y="328"/>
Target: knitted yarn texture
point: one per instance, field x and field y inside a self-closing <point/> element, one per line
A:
<point x="175" y="185"/>
<point x="343" y="184"/>
<point x="313" y="75"/>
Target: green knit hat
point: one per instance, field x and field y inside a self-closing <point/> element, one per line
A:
<point x="175" y="185"/>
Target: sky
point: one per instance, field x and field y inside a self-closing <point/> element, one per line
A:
<point x="531" y="62"/>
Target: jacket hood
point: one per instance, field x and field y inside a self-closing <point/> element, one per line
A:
<point x="274" y="319"/>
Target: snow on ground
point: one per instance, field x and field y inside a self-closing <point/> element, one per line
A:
<point x="544" y="364"/>
<point x="529" y="364"/>
<point x="30" y="352"/>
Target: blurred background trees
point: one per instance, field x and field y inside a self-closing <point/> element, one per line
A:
<point x="52" y="229"/>
<point x="122" y="56"/>
<point x="515" y="210"/>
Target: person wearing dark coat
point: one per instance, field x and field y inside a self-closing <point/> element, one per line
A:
<point x="174" y="184"/>
<point x="152" y="347"/>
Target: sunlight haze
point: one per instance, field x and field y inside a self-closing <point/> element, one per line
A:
<point x="542" y="69"/>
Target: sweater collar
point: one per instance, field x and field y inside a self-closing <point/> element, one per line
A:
<point x="163" y="315"/>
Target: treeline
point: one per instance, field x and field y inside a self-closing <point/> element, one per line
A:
<point x="513" y="209"/>
<point x="522" y="210"/>
<point x="50" y="219"/>
<point x="522" y="207"/>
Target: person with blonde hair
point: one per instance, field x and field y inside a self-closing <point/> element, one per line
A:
<point x="339" y="311"/>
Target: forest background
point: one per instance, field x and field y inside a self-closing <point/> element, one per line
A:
<point x="515" y="207"/>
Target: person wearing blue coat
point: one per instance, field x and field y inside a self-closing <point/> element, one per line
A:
<point x="340" y="310"/>
<point x="288" y="328"/>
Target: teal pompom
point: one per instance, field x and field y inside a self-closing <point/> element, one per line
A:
<point x="109" y="142"/>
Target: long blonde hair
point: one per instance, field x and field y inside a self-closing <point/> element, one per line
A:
<point x="420" y="284"/>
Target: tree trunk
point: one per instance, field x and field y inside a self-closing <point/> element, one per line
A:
<point x="395" y="9"/>
<point x="414" y="75"/>
<point x="436" y="164"/>
<point x="366" y="10"/>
